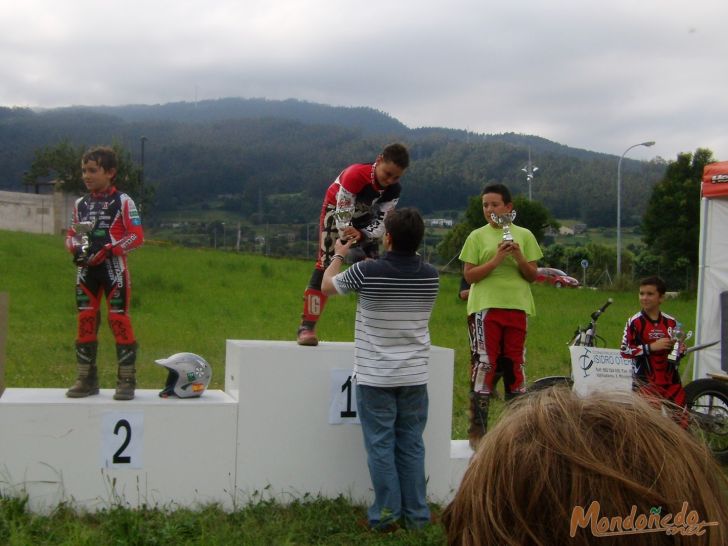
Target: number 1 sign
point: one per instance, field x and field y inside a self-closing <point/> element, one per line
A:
<point x="342" y="406"/>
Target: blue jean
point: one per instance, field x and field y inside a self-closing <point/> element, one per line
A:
<point x="392" y="421"/>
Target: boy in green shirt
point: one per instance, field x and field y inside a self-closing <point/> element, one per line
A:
<point x="500" y="273"/>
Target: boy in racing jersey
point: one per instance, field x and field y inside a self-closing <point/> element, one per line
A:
<point x="647" y="341"/>
<point x="354" y="207"/>
<point x="113" y="228"/>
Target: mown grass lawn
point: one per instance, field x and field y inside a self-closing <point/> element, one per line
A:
<point x="194" y="300"/>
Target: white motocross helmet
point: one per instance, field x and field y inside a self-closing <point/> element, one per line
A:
<point x="189" y="375"/>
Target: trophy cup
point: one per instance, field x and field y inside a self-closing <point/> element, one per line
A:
<point x="679" y="336"/>
<point x="342" y="217"/>
<point x="505" y="221"/>
<point x="81" y="239"/>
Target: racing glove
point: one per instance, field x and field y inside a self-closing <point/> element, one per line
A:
<point x="79" y="256"/>
<point x="99" y="257"/>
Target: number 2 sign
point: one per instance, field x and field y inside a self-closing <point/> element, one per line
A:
<point x="122" y="439"/>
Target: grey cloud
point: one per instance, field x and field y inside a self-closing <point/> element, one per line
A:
<point x="588" y="75"/>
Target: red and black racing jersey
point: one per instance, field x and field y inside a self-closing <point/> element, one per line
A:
<point x="357" y="186"/>
<point x="115" y="221"/>
<point x="639" y="333"/>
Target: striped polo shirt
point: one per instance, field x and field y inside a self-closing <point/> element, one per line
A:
<point x="392" y="336"/>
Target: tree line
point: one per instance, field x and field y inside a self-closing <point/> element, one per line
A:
<point x="270" y="161"/>
<point x="670" y="230"/>
<point x="670" y="224"/>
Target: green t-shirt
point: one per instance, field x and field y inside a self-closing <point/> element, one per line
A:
<point x="505" y="287"/>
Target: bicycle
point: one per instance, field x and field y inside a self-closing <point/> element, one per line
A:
<point x="583" y="337"/>
<point x="706" y="398"/>
<point x="707" y="402"/>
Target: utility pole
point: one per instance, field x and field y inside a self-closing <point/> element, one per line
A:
<point x="619" y="203"/>
<point x="142" y="139"/>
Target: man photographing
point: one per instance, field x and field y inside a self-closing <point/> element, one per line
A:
<point x="391" y="351"/>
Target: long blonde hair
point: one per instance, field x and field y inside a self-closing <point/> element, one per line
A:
<point x="553" y="454"/>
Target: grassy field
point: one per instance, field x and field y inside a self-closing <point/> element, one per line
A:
<point x="193" y="300"/>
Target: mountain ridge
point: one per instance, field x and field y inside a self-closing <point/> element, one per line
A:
<point x="257" y="148"/>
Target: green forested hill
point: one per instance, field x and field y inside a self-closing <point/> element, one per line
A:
<point x="251" y="150"/>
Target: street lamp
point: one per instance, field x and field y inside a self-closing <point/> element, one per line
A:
<point x="529" y="169"/>
<point x="619" y="202"/>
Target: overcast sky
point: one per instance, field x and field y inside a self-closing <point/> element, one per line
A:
<point x="596" y="75"/>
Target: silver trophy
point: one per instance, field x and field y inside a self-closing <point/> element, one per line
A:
<point x="81" y="239"/>
<point x="505" y="221"/>
<point x="342" y="217"/>
<point x="679" y="336"/>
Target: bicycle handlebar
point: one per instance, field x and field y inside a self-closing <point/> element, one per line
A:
<point x="595" y="315"/>
<point x="702" y="346"/>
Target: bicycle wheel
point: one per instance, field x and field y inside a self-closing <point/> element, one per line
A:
<point x="552" y="381"/>
<point x="707" y="401"/>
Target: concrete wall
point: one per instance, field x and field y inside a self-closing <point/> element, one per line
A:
<point x="34" y="213"/>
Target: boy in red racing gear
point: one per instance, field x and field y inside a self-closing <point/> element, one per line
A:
<point x="114" y="228"/>
<point x="647" y="342"/>
<point x="354" y="207"/>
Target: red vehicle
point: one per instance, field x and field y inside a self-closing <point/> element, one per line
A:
<point x="555" y="277"/>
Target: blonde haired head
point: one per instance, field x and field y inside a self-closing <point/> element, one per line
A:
<point x="554" y="451"/>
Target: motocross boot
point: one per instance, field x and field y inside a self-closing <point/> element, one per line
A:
<point x="479" y="403"/>
<point x="126" y="375"/>
<point x="87" y="382"/>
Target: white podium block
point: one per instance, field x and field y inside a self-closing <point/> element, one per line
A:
<point x="3" y="336"/>
<point x="460" y="455"/>
<point x="286" y="446"/>
<point x="273" y="433"/>
<point x="96" y="452"/>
